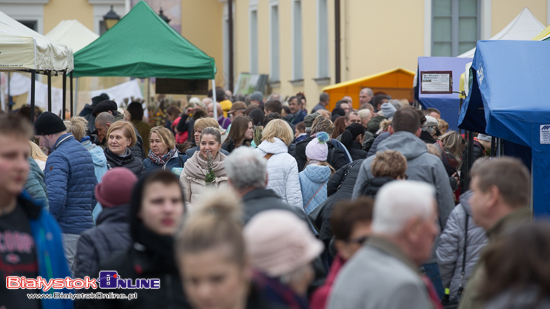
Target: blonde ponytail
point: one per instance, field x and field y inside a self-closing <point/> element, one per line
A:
<point x="77" y="127"/>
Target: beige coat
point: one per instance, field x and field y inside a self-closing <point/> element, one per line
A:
<point x="193" y="175"/>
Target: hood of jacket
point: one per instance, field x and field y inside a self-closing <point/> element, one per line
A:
<point x="98" y="155"/>
<point x="317" y="173"/>
<point x="119" y="160"/>
<point x="119" y="214"/>
<point x="406" y="143"/>
<point x="465" y="203"/>
<point x="278" y="146"/>
<point x="87" y="110"/>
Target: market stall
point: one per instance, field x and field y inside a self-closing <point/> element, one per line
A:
<point x="397" y="83"/>
<point x="508" y="100"/>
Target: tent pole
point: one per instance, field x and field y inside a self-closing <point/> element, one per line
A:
<point x="215" y="107"/>
<point x="469" y="159"/>
<point x="337" y="68"/>
<point x="230" y="42"/>
<point x="64" y="98"/>
<point x="71" y="100"/>
<point x="49" y="91"/>
<point x="9" y="105"/>
<point x="493" y="146"/>
<point x="33" y="82"/>
<point x="148" y="90"/>
<point x="76" y="93"/>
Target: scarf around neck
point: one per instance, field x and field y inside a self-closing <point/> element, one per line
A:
<point x="161" y="160"/>
<point x="197" y="167"/>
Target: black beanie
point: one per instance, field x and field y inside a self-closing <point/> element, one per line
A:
<point x="104" y="106"/>
<point x="100" y="98"/>
<point x="48" y="123"/>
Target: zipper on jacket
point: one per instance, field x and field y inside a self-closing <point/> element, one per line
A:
<point x="169" y="290"/>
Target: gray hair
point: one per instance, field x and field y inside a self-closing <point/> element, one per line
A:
<point x="274" y="96"/>
<point x="324" y="97"/>
<point x="368" y="91"/>
<point x="104" y="118"/>
<point x="246" y="168"/>
<point x="398" y="202"/>
<point x="395" y="103"/>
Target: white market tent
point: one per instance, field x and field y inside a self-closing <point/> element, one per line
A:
<point x="72" y="34"/>
<point x="25" y="49"/>
<point x="524" y="27"/>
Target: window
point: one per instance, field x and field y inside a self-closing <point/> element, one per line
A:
<point x="31" y="24"/>
<point x="322" y="39"/>
<point x="254" y="41"/>
<point x="274" y="42"/>
<point x="455" y="27"/>
<point x="297" y="40"/>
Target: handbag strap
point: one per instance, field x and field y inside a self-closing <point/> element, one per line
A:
<point x="313" y="196"/>
<point x="346" y="174"/>
<point x="461" y="288"/>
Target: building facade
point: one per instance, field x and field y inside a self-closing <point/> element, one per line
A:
<point x="293" y="41"/>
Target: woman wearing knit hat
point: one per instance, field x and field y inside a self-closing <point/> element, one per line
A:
<point x="282" y="256"/>
<point x="112" y="230"/>
<point x="313" y="179"/>
<point x="211" y="246"/>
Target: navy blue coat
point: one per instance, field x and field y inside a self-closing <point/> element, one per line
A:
<point x="178" y="160"/>
<point x="70" y="181"/>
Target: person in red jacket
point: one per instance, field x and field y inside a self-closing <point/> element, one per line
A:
<point x="351" y="224"/>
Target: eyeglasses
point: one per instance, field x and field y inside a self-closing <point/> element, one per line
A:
<point x="359" y="240"/>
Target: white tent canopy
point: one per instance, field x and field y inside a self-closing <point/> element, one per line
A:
<point x="524" y="27"/>
<point x="73" y="34"/>
<point x="24" y="49"/>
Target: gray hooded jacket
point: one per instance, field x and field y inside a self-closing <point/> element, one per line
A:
<point x="421" y="166"/>
<point x="450" y="252"/>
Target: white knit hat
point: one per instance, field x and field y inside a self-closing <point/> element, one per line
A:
<point x="278" y="242"/>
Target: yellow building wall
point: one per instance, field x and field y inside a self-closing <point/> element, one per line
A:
<point x="504" y="11"/>
<point x="58" y="10"/>
<point x="201" y="24"/>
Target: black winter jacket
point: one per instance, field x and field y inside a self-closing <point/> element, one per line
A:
<point x="336" y="158"/>
<point x="356" y="152"/>
<point x="112" y="234"/>
<point x="259" y="200"/>
<point x="128" y="161"/>
<point x="377" y="141"/>
<point x="339" y="188"/>
<point x="373" y="185"/>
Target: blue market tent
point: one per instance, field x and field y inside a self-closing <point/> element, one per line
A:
<point x="447" y="104"/>
<point x="508" y="99"/>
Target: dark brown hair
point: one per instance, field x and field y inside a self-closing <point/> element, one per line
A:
<point x="172" y="110"/>
<point x="136" y="110"/>
<point x="301" y="126"/>
<point x="11" y="124"/>
<point x="428" y="111"/>
<point x="273" y="106"/>
<point x="406" y="119"/>
<point x="389" y="163"/>
<point x="339" y="126"/>
<point x="518" y="261"/>
<point x="348" y="213"/>
<point x="510" y="177"/>
<point x="239" y="125"/>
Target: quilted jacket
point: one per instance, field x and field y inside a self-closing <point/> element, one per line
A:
<point x="450" y="252"/>
<point x="35" y="185"/>
<point x="70" y="180"/>
<point x="312" y="178"/>
<point x="282" y="171"/>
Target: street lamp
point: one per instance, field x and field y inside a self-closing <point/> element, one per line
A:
<point x="111" y="18"/>
<point x="164" y="17"/>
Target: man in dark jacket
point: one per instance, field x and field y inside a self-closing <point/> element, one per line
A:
<point x="87" y="111"/>
<point x="70" y="180"/>
<point x="247" y="174"/>
<point x="113" y="230"/>
<point x="36" y="248"/>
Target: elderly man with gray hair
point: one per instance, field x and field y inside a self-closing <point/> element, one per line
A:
<point x="247" y="173"/>
<point x="385" y="272"/>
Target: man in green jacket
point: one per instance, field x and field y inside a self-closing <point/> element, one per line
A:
<point x="500" y="200"/>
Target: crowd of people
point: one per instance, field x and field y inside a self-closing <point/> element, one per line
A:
<point x="268" y="206"/>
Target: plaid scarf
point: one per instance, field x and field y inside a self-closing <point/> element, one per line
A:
<point x="161" y="160"/>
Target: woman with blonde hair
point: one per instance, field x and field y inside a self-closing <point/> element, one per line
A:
<point x="451" y="145"/>
<point x="205" y="169"/>
<point x="164" y="154"/>
<point x="120" y="137"/>
<point x="282" y="168"/>
<point x="211" y="245"/>
<point x="38" y="155"/>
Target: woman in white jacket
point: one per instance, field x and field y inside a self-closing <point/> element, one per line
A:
<point x="282" y="168"/>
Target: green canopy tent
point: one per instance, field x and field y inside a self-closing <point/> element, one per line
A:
<point x="142" y="45"/>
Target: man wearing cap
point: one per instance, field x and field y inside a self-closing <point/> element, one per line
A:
<point x="384" y="273"/>
<point x="88" y="110"/>
<point x="70" y="180"/>
<point x="112" y="232"/>
<point x="237" y="109"/>
<point x="256" y="99"/>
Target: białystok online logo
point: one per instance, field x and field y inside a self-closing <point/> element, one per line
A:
<point x="108" y="279"/>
